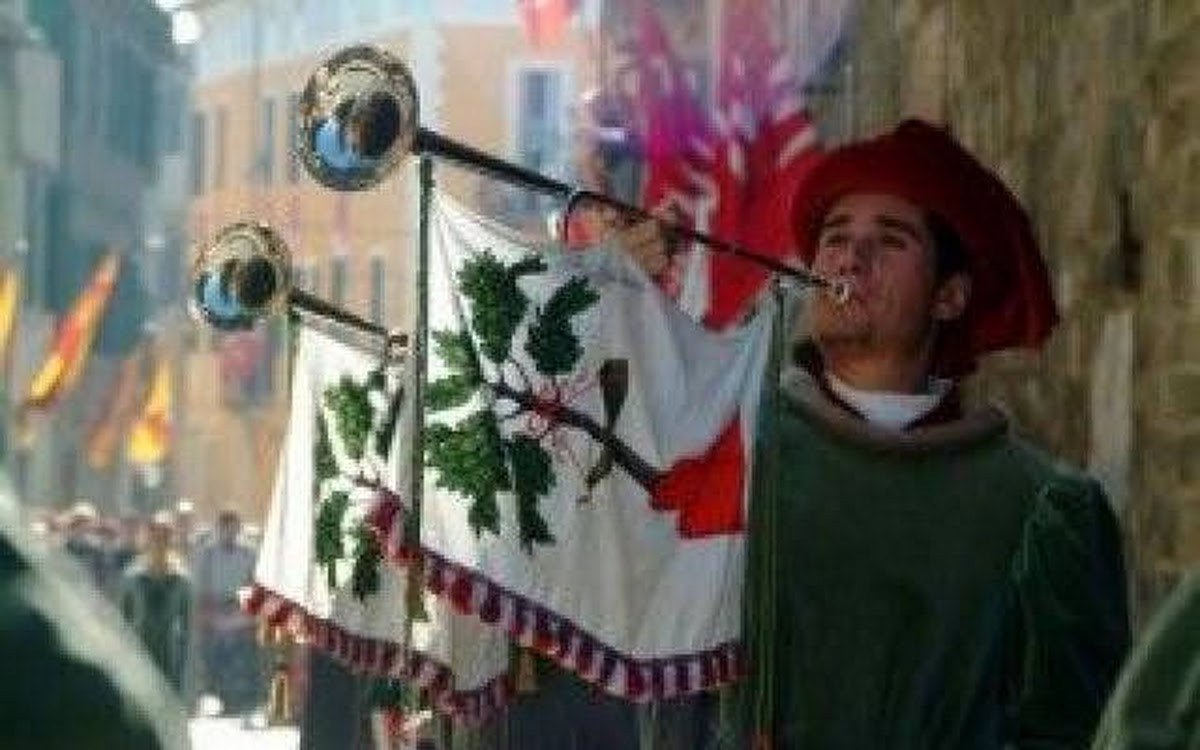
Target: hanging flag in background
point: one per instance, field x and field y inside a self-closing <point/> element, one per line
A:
<point x="768" y="143"/>
<point x="10" y="303"/>
<point x="546" y="21"/>
<point x="150" y="435"/>
<point x="730" y="173"/>
<point x="73" y="339"/>
<point x="121" y="399"/>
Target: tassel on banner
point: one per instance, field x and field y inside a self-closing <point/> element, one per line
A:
<point x="526" y="673"/>
<point x="415" y="594"/>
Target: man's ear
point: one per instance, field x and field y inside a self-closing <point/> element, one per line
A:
<point x="951" y="298"/>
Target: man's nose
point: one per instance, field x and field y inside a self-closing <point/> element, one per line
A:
<point x="854" y="256"/>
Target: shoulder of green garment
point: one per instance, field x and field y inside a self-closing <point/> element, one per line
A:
<point x="1156" y="703"/>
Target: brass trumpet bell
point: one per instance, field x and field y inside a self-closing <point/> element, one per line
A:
<point x="240" y="277"/>
<point x="358" y="118"/>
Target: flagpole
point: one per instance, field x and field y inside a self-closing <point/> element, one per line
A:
<point x="420" y="350"/>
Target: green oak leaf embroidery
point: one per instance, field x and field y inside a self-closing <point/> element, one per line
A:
<point x="474" y="459"/>
<point x="355" y="421"/>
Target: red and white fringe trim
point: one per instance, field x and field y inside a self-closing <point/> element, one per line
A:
<point x="382" y="658"/>
<point x="574" y="649"/>
<point x="526" y="622"/>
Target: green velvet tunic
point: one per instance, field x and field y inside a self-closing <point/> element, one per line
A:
<point x="944" y="587"/>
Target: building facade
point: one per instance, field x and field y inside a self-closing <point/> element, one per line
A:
<point x="106" y="114"/>
<point x="480" y="82"/>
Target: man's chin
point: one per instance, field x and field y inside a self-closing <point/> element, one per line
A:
<point x="833" y="328"/>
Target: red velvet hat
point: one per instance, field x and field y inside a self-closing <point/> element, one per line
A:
<point x="1011" y="303"/>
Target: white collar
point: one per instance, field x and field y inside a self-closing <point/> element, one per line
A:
<point x="887" y="408"/>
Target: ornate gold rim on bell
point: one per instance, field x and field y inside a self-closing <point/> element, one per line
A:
<point x="240" y="277"/>
<point x="358" y="118"/>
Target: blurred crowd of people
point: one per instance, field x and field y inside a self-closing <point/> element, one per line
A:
<point x="175" y="579"/>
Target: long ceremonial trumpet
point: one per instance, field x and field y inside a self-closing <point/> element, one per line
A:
<point x="244" y="275"/>
<point x="359" y="119"/>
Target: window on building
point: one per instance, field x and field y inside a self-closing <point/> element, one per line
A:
<point x="378" y="288"/>
<point x="300" y="277"/>
<point x="173" y="103"/>
<point x="539" y="118"/>
<point x="265" y="156"/>
<point x="199" y="152"/>
<point x="220" y="138"/>
<point x="293" y="138"/>
<point x="540" y="125"/>
<point x="261" y="387"/>
<point x="337" y="287"/>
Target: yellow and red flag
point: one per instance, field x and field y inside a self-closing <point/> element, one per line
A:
<point x="104" y="434"/>
<point x="10" y="302"/>
<point x="73" y="339"/>
<point x="150" y="436"/>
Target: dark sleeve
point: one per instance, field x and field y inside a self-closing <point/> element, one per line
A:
<point x="1073" y="620"/>
<point x="1157" y="700"/>
<point x="61" y="687"/>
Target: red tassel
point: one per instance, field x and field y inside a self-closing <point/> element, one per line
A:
<point x="393" y="722"/>
<point x="405" y="554"/>
<point x="437" y="578"/>
<point x="489" y="611"/>
<point x="738" y="669"/>
<point x="635" y="683"/>
<point x="708" y="677"/>
<point x="761" y="741"/>
<point x="565" y="633"/>
<point x="461" y="593"/>
<point x="441" y="681"/>
<point x="657" y="681"/>
<point x="722" y="669"/>
<point x="608" y="665"/>
<point x="584" y="657"/>
<point x="542" y="638"/>
<point x="254" y="603"/>
<point x="683" y="678"/>
<point x="516" y="628"/>
<point x="390" y="652"/>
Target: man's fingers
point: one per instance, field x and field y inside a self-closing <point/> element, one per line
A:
<point x="645" y="243"/>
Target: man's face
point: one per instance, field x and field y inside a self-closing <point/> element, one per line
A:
<point x="158" y="538"/>
<point x="882" y="246"/>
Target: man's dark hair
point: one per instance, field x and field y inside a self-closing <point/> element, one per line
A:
<point x="949" y="252"/>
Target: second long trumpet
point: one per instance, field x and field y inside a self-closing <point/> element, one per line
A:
<point x="359" y="118"/>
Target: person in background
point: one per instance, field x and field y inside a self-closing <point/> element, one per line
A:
<point x="129" y="535"/>
<point x="227" y="634"/>
<point x="156" y="600"/>
<point x="81" y="542"/>
<point x="187" y="530"/>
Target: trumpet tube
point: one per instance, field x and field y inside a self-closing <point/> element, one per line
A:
<point x="245" y="274"/>
<point x="359" y="117"/>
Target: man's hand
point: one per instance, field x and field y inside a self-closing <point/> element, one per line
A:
<point x="645" y="242"/>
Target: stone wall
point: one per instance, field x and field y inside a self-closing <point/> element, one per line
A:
<point x="1090" y="111"/>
